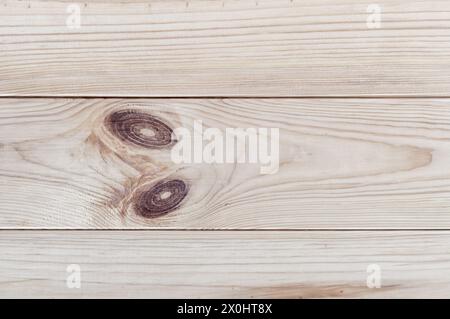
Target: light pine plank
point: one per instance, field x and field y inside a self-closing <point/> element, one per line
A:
<point x="225" y="48"/>
<point x="190" y="264"/>
<point x="344" y="163"/>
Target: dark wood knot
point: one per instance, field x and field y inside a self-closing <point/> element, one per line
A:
<point x="160" y="199"/>
<point x="139" y="128"/>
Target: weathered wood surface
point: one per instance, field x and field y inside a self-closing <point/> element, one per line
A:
<point x="344" y="164"/>
<point x="180" y="264"/>
<point x="225" y="48"/>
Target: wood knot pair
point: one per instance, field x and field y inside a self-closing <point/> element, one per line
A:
<point x="144" y="130"/>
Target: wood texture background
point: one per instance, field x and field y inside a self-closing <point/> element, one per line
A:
<point x="225" y="48"/>
<point x="193" y="264"/>
<point x="364" y="120"/>
<point x="344" y="163"/>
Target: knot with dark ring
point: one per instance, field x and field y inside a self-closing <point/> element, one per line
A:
<point x="160" y="199"/>
<point x="130" y="126"/>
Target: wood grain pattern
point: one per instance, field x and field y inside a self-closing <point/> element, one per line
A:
<point x="180" y="264"/>
<point x="344" y="164"/>
<point x="347" y="166"/>
<point x="225" y="48"/>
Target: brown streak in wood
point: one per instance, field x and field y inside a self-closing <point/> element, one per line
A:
<point x="301" y="291"/>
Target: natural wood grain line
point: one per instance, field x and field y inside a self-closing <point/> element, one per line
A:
<point x="225" y="48"/>
<point x="344" y="164"/>
<point x="158" y="264"/>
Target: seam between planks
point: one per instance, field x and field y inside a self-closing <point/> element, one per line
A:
<point x="230" y="229"/>
<point x="303" y="97"/>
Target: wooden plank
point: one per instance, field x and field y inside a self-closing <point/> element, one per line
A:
<point x="225" y="48"/>
<point x="344" y="163"/>
<point x="208" y="264"/>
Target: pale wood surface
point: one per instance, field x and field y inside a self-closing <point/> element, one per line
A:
<point x="204" y="264"/>
<point x="225" y="48"/>
<point x="344" y="163"/>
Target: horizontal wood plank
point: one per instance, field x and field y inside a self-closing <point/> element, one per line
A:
<point x="344" y="163"/>
<point x="224" y="48"/>
<point x="189" y="264"/>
